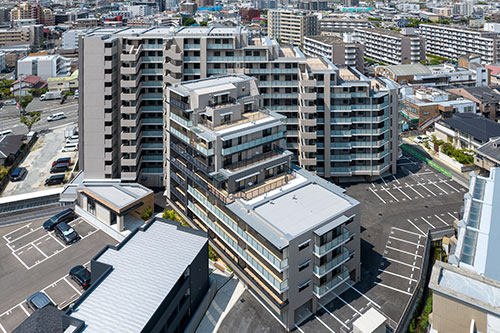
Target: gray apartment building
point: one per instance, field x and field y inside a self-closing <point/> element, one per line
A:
<point x="146" y="283"/>
<point x="290" y="27"/>
<point x="290" y="235"/>
<point x="352" y="128"/>
<point x="392" y="47"/>
<point x="340" y="51"/>
<point x="452" y="42"/>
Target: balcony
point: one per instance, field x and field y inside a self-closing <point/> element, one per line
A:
<point x="255" y="160"/>
<point x="320" y="251"/>
<point x="331" y="285"/>
<point x="262" y="188"/>
<point x="245" y="117"/>
<point x="338" y="260"/>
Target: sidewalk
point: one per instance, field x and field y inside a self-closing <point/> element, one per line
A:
<point x="229" y="291"/>
<point x="460" y="177"/>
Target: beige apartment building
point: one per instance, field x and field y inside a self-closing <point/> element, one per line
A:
<point x="339" y="123"/>
<point x="290" y="27"/>
<point x="32" y="35"/>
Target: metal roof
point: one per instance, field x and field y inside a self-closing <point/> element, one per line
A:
<point x="144" y="271"/>
<point x="491" y="149"/>
<point x="409" y="69"/>
<point x="473" y="124"/>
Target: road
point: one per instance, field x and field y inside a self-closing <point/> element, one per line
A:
<point x="9" y="116"/>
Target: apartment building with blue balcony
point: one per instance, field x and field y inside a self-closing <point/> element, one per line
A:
<point x="290" y="235"/>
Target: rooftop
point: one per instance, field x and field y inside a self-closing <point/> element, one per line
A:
<point x="305" y="202"/>
<point x="143" y="273"/>
<point x="330" y="40"/>
<point x="491" y="149"/>
<point x="384" y="32"/>
<point x="466" y="286"/>
<point x="473" y="124"/>
<point x="409" y="69"/>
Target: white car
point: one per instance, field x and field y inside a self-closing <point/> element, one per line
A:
<point x="421" y="139"/>
<point x="70" y="147"/>
<point x="10" y="102"/>
<point x="56" y="116"/>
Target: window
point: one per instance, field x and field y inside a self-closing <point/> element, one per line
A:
<point x="304" y="245"/>
<point x="91" y="205"/>
<point x="304" y="285"/>
<point x="304" y="265"/>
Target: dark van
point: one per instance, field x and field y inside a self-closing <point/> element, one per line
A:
<point x="18" y="174"/>
<point x="66" y="233"/>
<point x="64" y="216"/>
<point x="62" y="160"/>
<point x="55" y="180"/>
<point x="60" y="167"/>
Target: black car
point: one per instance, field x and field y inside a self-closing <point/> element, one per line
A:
<point x="18" y="174"/>
<point x="61" y="160"/>
<point x="60" y="167"/>
<point x="55" y="180"/>
<point x="66" y="233"/>
<point x="38" y="300"/>
<point x="64" y="216"/>
<point x="81" y="275"/>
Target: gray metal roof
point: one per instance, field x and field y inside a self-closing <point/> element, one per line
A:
<point x="409" y="69"/>
<point x="473" y="124"/>
<point x="491" y="149"/>
<point x="144" y="271"/>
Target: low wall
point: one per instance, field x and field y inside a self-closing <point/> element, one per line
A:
<point x="202" y="308"/>
<point x="453" y="163"/>
<point x="98" y="224"/>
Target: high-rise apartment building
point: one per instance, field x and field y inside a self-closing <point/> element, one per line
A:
<point x="291" y="236"/>
<point x="339" y="122"/>
<point x="453" y="42"/>
<point x="392" y="47"/>
<point x="341" y="52"/>
<point x="27" y="10"/>
<point x="290" y="26"/>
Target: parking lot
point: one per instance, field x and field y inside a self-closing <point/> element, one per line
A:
<point x="32" y="259"/>
<point x="39" y="161"/>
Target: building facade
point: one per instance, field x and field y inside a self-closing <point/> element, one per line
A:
<point x="290" y="27"/>
<point x="44" y="66"/>
<point x="339" y="51"/>
<point x="351" y="116"/>
<point x="392" y="47"/>
<point x="453" y="42"/>
<point x="291" y="236"/>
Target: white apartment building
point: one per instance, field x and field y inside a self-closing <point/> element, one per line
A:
<point x="339" y="122"/>
<point x="70" y="39"/>
<point x="341" y="52"/>
<point x="453" y="42"/>
<point x="290" y="27"/>
<point x="44" y="66"/>
<point x="392" y="47"/>
<point x="342" y="24"/>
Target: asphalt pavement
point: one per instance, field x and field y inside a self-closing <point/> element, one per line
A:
<point x="9" y="115"/>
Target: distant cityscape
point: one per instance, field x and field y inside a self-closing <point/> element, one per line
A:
<point x="249" y="166"/>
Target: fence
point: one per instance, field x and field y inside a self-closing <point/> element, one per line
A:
<point x="250" y="194"/>
<point x="427" y="160"/>
<point x="5" y="180"/>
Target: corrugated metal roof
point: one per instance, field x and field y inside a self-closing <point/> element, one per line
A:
<point x="410" y="69"/>
<point x="144" y="271"/>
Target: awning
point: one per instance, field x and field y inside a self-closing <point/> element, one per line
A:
<point x="222" y="93"/>
<point x="226" y="113"/>
<point x="247" y="176"/>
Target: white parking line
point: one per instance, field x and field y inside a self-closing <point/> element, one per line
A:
<point x="349" y="305"/>
<point x="321" y="321"/>
<point x="433" y="227"/>
<point x="405" y="241"/>
<point x="414" y="190"/>
<point x="26" y="234"/>
<point x="446" y="183"/>
<point x="72" y="286"/>
<point x="300" y="329"/>
<point x="359" y="292"/>
<point x="398" y="275"/>
<point x="403" y="192"/>
<point x="395" y="179"/>
<point x="454" y="217"/>
<point x="331" y="314"/>
<point x="402" y="251"/>
<point x="387" y="191"/>
<point x="36" y="247"/>
<point x="24" y="309"/>
<point x="434" y="183"/>
<point x="423" y="185"/>
<point x="409" y="232"/>
<point x="6" y="236"/>
<point x="3" y="329"/>
<point x="382" y="179"/>
<point x="440" y="219"/>
<point x="413" y="224"/>
<point x="20" y="260"/>
<point x="400" y="262"/>
<point x="392" y="288"/>
<point x="378" y="196"/>
<point x="57" y="240"/>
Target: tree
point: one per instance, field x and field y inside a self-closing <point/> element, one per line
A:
<point x="187" y="21"/>
<point x="25" y="101"/>
<point x="30" y="119"/>
<point x="203" y="23"/>
<point x="147" y="213"/>
<point x="172" y="216"/>
<point x="37" y="92"/>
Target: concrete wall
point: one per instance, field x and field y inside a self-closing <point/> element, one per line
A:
<point x="451" y="315"/>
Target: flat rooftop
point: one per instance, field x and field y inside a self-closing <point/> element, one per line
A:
<point x="115" y="193"/>
<point x="330" y="40"/>
<point x="304" y="203"/>
<point x="210" y="85"/>
<point x="385" y="32"/>
<point x="143" y="274"/>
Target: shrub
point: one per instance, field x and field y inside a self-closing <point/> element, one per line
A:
<point x="147" y="213"/>
<point x="173" y="216"/>
<point x="212" y="255"/>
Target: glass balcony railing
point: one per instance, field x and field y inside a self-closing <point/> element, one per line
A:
<point x="338" y="260"/>
<point x="321" y="291"/>
<point x="333" y="244"/>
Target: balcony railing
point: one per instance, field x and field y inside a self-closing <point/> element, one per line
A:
<point x="256" y="159"/>
<point x="331" y="285"/>
<point x="334" y="243"/>
<point x="319" y="271"/>
<point x="270" y="185"/>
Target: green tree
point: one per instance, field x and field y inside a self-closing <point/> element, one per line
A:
<point x="203" y="23"/>
<point x="5" y="88"/>
<point x="25" y="101"/>
<point x="37" y="92"/>
<point x="187" y="21"/>
<point x="172" y="216"/>
<point x="147" y="213"/>
<point x="30" y="119"/>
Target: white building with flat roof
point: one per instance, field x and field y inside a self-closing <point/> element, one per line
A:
<point x="44" y="66"/>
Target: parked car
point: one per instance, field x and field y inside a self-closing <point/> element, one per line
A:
<point x="67" y="234"/>
<point x="81" y="275"/>
<point x="74" y="136"/>
<point x="66" y="215"/>
<point x="56" y="116"/>
<point x="10" y="102"/>
<point x="55" y="180"/>
<point x="76" y="94"/>
<point x="38" y="301"/>
<point x="421" y="139"/>
<point x="70" y="147"/>
<point x="62" y="160"/>
<point x="59" y="167"/>
<point x="68" y="141"/>
<point x="18" y="174"/>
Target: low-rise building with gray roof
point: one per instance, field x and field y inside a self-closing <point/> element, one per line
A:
<point x="488" y="155"/>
